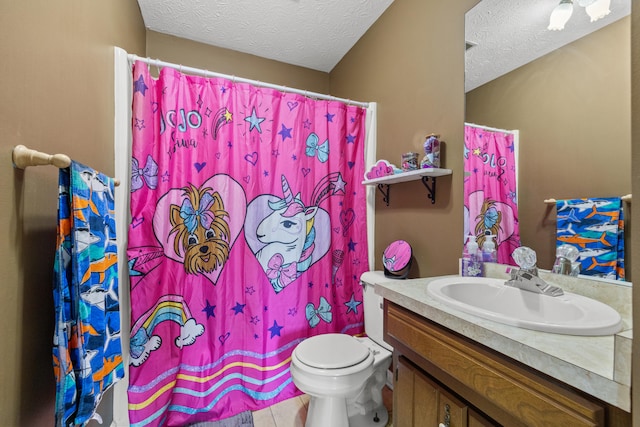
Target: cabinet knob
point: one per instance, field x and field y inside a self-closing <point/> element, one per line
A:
<point x="447" y="416"/>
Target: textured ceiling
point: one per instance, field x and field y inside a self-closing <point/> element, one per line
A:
<point x="317" y="34"/>
<point x="309" y="33"/>
<point x="511" y="33"/>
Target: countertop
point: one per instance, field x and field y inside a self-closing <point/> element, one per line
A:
<point x="599" y="366"/>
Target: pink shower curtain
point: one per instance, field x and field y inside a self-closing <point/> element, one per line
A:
<point x="490" y="202"/>
<point x="247" y="236"/>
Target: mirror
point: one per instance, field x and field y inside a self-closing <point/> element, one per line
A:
<point x="566" y="92"/>
<point x="396" y="260"/>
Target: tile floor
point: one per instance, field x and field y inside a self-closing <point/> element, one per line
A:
<point x="293" y="412"/>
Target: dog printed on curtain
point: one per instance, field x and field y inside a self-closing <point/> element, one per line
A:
<point x="247" y="236"/>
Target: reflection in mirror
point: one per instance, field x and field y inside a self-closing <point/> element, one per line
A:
<point x="568" y="94"/>
<point x="490" y="189"/>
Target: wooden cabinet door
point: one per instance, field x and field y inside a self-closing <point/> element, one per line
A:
<point x="415" y="398"/>
<point x="403" y="394"/>
<point x="418" y="401"/>
<point x="425" y="401"/>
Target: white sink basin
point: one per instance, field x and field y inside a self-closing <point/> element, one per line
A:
<point x="491" y="299"/>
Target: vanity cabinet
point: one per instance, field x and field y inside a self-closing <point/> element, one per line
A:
<point x="436" y="367"/>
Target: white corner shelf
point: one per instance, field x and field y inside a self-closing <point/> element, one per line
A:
<point x="384" y="183"/>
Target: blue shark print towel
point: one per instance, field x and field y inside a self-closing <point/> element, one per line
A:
<point x="87" y="355"/>
<point x="596" y="228"/>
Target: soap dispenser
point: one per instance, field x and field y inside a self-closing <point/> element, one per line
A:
<point x="489" y="252"/>
<point x="472" y="259"/>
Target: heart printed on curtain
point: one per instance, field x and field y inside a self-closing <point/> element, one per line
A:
<point x="197" y="226"/>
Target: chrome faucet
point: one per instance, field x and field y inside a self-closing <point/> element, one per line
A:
<point x="526" y="278"/>
<point x="566" y="261"/>
<point x="523" y="279"/>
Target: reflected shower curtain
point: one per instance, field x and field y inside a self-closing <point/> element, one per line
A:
<point x="490" y="200"/>
<point x="246" y="237"/>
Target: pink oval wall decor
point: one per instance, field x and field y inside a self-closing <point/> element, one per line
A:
<point x="397" y="259"/>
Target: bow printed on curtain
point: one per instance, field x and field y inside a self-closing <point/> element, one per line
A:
<point x="148" y="174"/>
<point x="285" y="274"/>
<point x="204" y="214"/>
<point x="313" y="148"/>
<point x="322" y="312"/>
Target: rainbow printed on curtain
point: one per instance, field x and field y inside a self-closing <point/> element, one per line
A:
<point x="247" y="236"/>
<point x="490" y="198"/>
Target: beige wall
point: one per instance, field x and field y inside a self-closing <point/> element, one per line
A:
<point x="225" y="61"/>
<point x="573" y="110"/>
<point x="57" y="96"/>
<point x="411" y="62"/>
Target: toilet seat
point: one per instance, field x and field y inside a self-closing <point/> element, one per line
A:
<point x="380" y="353"/>
<point x="331" y="351"/>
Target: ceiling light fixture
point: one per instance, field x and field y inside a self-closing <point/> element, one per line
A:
<point x="596" y="9"/>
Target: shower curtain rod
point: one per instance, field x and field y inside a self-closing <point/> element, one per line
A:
<point x="205" y="73"/>
<point x="23" y="157"/>
<point x="488" y="128"/>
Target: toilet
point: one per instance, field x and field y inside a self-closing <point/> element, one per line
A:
<point x="344" y="375"/>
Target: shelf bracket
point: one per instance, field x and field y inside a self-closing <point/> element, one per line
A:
<point x="431" y="189"/>
<point x="385" y="189"/>
<point x="385" y="192"/>
<point x="428" y="178"/>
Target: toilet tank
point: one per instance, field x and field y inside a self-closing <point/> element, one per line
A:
<point x="373" y="308"/>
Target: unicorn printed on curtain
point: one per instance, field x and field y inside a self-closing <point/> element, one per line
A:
<point x="490" y="199"/>
<point x="247" y="236"/>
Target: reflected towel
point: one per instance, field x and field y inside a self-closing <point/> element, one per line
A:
<point x="87" y="354"/>
<point x="596" y="228"/>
